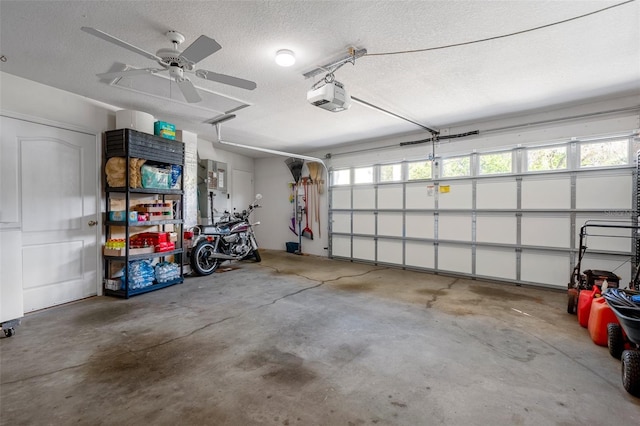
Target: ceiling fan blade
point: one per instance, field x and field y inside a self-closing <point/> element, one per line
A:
<point x="226" y="79"/>
<point x="128" y="73"/>
<point x="200" y="49"/>
<point x="188" y="90"/>
<point x="121" y="43"/>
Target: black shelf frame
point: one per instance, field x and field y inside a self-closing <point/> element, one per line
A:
<point x="129" y="143"/>
<point x="144" y="223"/>
<point x="153" y="191"/>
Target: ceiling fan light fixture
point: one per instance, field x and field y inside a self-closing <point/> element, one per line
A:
<point x="285" y="58"/>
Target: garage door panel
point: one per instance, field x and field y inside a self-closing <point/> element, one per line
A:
<point x="496" y="228"/>
<point x="340" y="246"/>
<point x="496" y="194"/>
<point x="549" y="231"/>
<point x="390" y="197"/>
<point x="454" y="258"/>
<point x="390" y="251"/>
<point x="364" y="223"/>
<point x="549" y="269"/>
<point x="419" y="254"/>
<point x="364" y="198"/>
<point x="341" y="198"/>
<point x="420" y="196"/>
<point x="459" y="195"/>
<point x="496" y="262"/>
<point x="420" y="225"/>
<point x="605" y="239"/>
<point x="390" y="224"/>
<point x="341" y="222"/>
<point x="546" y="193"/>
<point x="454" y="227"/>
<point x="364" y="248"/>
<point x="606" y="192"/>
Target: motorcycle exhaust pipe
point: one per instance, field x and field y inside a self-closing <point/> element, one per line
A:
<point x="223" y="256"/>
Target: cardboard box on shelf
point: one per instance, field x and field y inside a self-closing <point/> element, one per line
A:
<point x="132" y="251"/>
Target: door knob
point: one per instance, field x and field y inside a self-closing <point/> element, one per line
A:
<point x="92" y="223"/>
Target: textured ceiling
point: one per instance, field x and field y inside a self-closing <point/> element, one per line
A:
<point x="593" y="57"/>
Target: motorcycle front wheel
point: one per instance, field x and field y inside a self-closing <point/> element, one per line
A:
<point x="201" y="261"/>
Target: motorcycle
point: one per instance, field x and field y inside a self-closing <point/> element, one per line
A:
<point x="231" y="238"/>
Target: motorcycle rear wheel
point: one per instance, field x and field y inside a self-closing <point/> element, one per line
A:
<point x="201" y="261"/>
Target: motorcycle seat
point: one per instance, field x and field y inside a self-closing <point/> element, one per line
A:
<point x="209" y="229"/>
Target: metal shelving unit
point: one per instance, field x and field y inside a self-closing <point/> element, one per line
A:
<point x="129" y="143"/>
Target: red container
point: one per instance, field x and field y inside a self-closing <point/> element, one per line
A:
<point x="585" y="298"/>
<point x="165" y="247"/>
<point x="154" y="237"/>
<point x="600" y="315"/>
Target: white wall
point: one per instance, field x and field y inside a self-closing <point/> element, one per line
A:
<point x="234" y="161"/>
<point x="272" y="181"/>
<point x="26" y="97"/>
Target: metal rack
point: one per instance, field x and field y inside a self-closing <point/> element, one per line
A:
<point x="128" y="143"/>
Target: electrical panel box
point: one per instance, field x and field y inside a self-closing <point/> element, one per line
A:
<point x="207" y="176"/>
<point x="212" y="179"/>
<point x="221" y="170"/>
<point x="212" y="175"/>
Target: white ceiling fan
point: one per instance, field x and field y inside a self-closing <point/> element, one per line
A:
<point x="176" y="62"/>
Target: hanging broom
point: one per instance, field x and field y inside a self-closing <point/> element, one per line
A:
<point x="306" y="232"/>
<point x="315" y="173"/>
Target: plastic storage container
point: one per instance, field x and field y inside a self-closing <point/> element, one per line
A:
<point x="600" y="315"/>
<point x="585" y="299"/>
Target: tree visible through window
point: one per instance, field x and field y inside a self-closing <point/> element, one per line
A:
<point x="547" y="159"/>
<point x="491" y="164"/>
<point x="420" y="170"/>
<point x="605" y="153"/>
<point x="390" y="172"/>
<point x="457" y="166"/>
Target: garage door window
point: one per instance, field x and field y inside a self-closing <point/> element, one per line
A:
<point x="496" y="163"/>
<point x="604" y="153"/>
<point x="456" y="166"/>
<point x="391" y="173"/>
<point x="363" y="175"/>
<point x="341" y="177"/>
<point x="420" y="170"/>
<point x="543" y="159"/>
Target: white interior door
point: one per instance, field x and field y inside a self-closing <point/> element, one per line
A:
<point x="50" y="195"/>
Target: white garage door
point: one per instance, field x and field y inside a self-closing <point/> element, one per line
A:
<point x="517" y="219"/>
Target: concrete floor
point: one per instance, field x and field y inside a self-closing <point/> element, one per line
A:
<point x="302" y="340"/>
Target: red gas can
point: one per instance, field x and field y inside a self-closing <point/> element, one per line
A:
<point x="600" y="315"/>
<point x="584" y="304"/>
